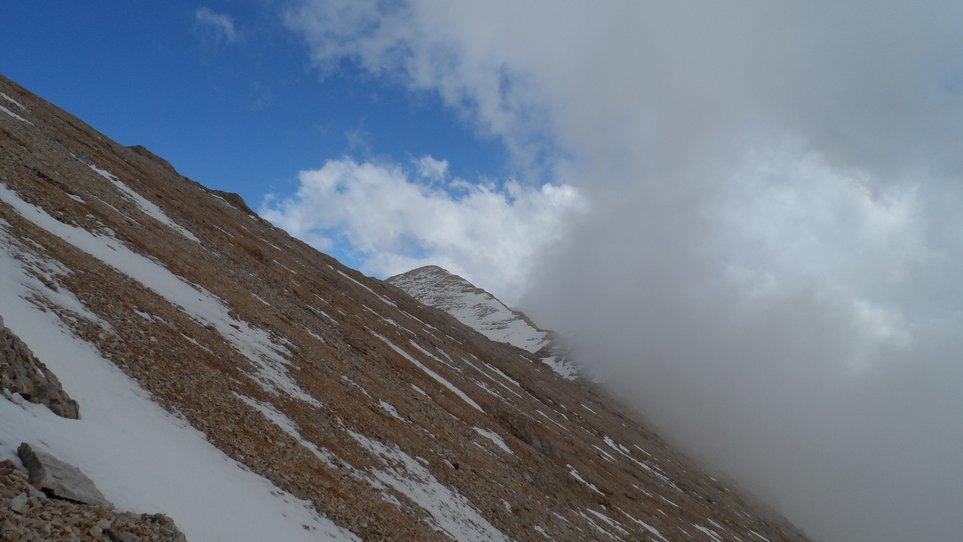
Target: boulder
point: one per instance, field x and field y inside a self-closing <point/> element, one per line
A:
<point x="21" y="372"/>
<point x="58" y="479"/>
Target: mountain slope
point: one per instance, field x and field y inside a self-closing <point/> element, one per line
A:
<point x="252" y="388"/>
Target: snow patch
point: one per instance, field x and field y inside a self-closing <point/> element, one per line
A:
<point x="575" y="474"/>
<point x="495" y="438"/>
<point x="759" y="536"/>
<point x="437" y="377"/>
<point x="714" y="536"/>
<point x="419" y="390"/>
<point x="11" y="100"/>
<point x="145" y="205"/>
<point x="652" y="530"/>
<point x="611" y="522"/>
<point x="390" y="409"/>
<point x="203" y="306"/>
<point x="126" y="443"/>
<point x="14" y="115"/>
<point x="449" y="511"/>
<point x="376" y="294"/>
<point x="559" y="365"/>
<point x="285" y="424"/>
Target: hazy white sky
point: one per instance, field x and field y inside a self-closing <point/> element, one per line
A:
<point x="751" y="225"/>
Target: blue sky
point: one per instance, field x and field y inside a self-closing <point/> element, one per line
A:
<point x="243" y="115"/>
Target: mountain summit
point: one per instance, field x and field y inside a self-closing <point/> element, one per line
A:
<point x="167" y="351"/>
<point x="485" y="313"/>
<point x="472" y="306"/>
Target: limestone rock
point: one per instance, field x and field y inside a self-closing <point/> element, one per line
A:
<point x="59" y="479"/>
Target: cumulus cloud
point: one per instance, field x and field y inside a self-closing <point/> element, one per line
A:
<point x="771" y="261"/>
<point x="486" y="233"/>
<point x="219" y="26"/>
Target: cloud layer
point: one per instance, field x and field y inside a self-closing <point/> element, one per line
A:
<point x="771" y="262"/>
<point x="399" y="220"/>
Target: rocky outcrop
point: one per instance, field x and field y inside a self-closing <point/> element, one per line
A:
<point x="234" y="199"/>
<point x="146" y="153"/>
<point x="231" y="197"/>
<point x="21" y="372"/>
<point x="58" y="479"/>
<point x="29" y="515"/>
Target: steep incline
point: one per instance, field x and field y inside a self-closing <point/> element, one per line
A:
<point x="251" y="388"/>
<point x="483" y="312"/>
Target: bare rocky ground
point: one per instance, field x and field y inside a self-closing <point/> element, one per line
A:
<point x="394" y="420"/>
<point x="29" y="515"/>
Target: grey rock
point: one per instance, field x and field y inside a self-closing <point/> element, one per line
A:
<point x="21" y="372"/>
<point x="58" y="479"/>
<point x="19" y="504"/>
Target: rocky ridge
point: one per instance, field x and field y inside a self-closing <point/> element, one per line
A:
<point x="480" y="310"/>
<point x="265" y="382"/>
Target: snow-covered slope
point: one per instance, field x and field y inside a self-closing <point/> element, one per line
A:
<point x="483" y="312"/>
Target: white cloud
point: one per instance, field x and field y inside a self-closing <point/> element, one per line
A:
<point x="419" y="45"/>
<point x="219" y="25"/>
<point x="774" y="226"/>
<point x="432" y="169"/>
<point x="485" y="233"/>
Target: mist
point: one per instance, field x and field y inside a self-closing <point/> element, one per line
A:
<point x="770" y="266"/>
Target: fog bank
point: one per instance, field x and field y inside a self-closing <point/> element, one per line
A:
<point x="770" y="266"/>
